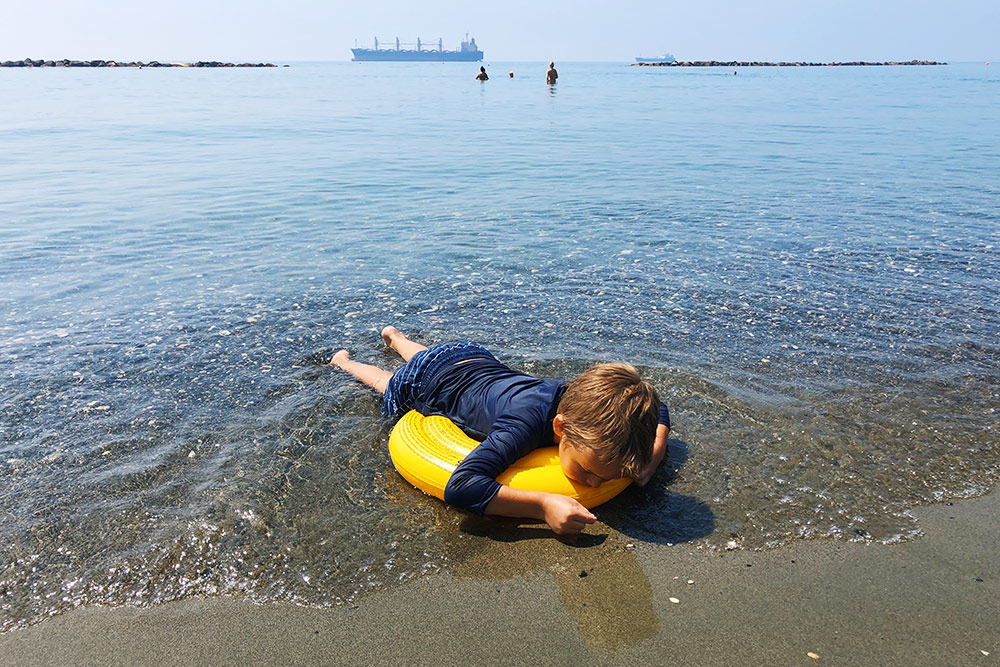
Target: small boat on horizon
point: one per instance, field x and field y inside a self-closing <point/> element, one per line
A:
<point x="665" y="58"/>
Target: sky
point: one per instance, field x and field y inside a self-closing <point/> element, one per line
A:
<point x="517" y="30"/>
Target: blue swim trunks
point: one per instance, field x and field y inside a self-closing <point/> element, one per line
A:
<point x="410" y="380"/>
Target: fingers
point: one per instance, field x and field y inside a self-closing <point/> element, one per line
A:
<point x="581" y="516"/>
<point x="642" y="479"/>
<point x="571" y="528"/>
<point x="567" y="516"/>
<point x="576" y="522"/>
<point x="582" y="513"/>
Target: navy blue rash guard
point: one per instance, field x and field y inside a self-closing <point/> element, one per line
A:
<point x="510" y="412"/>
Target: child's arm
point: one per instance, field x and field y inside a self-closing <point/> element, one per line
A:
<point x="473" y="485"/>
<point x="564" y="515"/>
<point x="659" y="447"/>
<point x="659" y="453"/>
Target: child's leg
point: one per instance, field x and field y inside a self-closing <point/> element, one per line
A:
<point x="373" y="376"/>
<point x="403" y="346"/>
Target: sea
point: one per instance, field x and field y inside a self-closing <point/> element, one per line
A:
<point x="804" y="261"/>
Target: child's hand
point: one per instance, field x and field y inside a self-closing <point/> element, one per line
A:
<point x="564" y="515"/>
<point x="647" y="473"/>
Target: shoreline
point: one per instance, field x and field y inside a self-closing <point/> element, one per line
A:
<point x="28" y="62"/>
<point x="514" y="599"/>
<point x="757" y="63"/>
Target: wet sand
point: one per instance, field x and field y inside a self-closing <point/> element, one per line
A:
<point x="522" y="598"/>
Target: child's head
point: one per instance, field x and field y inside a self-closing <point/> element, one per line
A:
<point x="606" y="422"/>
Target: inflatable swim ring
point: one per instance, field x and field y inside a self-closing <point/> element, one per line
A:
<point x="425" y="451"/>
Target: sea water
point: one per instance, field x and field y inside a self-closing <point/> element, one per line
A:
<point x="805" y="261"/>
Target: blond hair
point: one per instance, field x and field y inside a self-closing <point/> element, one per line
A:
<point x="614" y="412"/>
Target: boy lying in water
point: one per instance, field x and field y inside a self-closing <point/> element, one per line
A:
<point x="608" y="423"/>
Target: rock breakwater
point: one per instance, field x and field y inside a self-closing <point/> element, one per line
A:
<point x="28" y="62"/>
<point x="757" y="63"/>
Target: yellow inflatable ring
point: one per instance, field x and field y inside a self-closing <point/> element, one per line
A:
<point x="425" y="451"/>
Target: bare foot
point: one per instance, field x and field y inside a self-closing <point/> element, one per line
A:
<point x="388" y="333"/>
<point x="340" y="358"/>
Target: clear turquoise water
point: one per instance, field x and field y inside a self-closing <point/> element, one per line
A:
<point x="805" y="261"/>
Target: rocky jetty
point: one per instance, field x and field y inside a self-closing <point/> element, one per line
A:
<point x="755" y="63"/>
<point x="28" y="62"/>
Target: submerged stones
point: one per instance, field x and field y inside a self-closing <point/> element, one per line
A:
<point x="28" y="62"/>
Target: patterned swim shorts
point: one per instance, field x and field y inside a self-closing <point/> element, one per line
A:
<point x="409" y="381"/>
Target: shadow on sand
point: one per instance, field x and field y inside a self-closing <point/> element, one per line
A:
<point x="601" y="581"/>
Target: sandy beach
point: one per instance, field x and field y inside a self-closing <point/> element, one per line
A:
<point x="519" y="597"/>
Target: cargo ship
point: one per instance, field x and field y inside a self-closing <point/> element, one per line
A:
<point x="468" y="53"/>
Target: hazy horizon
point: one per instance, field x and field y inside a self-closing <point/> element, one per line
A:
<point x="313" y="31"/>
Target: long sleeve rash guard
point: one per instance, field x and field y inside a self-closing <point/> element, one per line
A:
<point x="510" y="412"/>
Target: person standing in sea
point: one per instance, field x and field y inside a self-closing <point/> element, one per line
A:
<point x="552" y="74"/>
<point x="482" y="76"/>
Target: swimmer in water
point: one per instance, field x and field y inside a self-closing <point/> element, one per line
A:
<point x="552" y="74"/>
<point x="482" y="76"/>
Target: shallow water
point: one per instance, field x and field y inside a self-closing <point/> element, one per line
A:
<point x="805" y="262"/>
